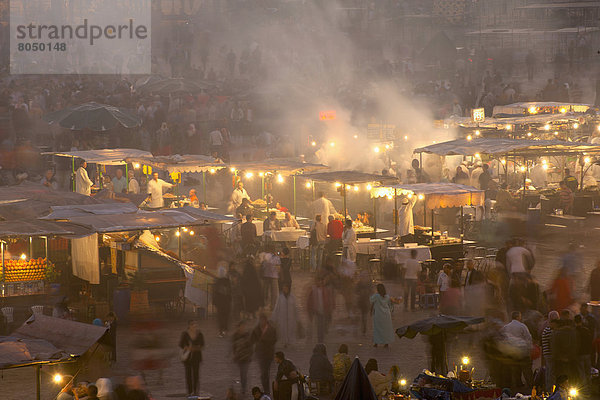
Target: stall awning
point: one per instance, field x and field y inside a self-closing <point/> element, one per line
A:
<point x="500" y="123"/>
<point x="74" y="338"/>
<point x="179" y="163"/>
<point x="80" y="210"/>
<point x="36" y="227"/>
<point x="203" y="215"/>
<point x="285" y="166"/>
<point x="104" y="156"/>
<point x="350" y="177"/>
<point x="517" y="147"/>
<point x="134" y="222"/>
<point x="437" y="195"/>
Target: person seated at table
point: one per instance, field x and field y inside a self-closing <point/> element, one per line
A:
<point x="193" y="198"/>
<point x="245" y="208"/>
<point x="271" y="223"/>
<point x="281" y="208"/>
<point x="203" y="206"/>
<point x="504" y="200"/>
<point x="49" y="181"/>
<point x="289" y="222"/>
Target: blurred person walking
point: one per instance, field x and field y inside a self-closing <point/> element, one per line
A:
<point x="242" y="349"/>
<point x="381" y="308"/>
<point x="264" y="336"/>
<point x="222" y="300"/>
<point x="191" y="344"/>
<point x="251" y="289"/>
<point x="285" y="316"/>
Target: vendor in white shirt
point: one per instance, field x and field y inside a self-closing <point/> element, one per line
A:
<point x="83" y="183"/>
<point x="406" y="224"/>
<point x="239" y="193"/>
<point x="155" y="191"/>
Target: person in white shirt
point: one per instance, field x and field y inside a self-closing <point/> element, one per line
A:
<point x="134" y="185"/>
<point x="519" y="337"/>
<point x="119" y="182"/>
<point x="83" y="183"/>
<point x="155" y="191"/>
<point x="239" y="193"/>
<point x="216" y="141"/>
<point x="478" y="170"/>
<point x="519" y="259"/>
<point x="412" y="267"/>
<point x="349" y="241"/>
<point x="406" y="224"/>
<point x="323" y="207"/>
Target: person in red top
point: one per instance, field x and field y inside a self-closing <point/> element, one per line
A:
<point x="335" y="229"/>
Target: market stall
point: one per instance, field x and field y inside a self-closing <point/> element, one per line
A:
<point x="102" y="158"/>
<point x="346" y="181"/>
<point x="176" y="165"/>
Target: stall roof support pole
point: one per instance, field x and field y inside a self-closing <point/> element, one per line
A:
<point x="179" y="241"/>
<point x="462" y="223"/>
<point x="395" y="212"/>
<point x="73" y="166"/>
<point x="375" y="215"/>
<point x="432" y="224"/>
<point x="126" y="178"/>
<point x="313" y="189"/>
<point x="3" y="271"/>
<point x="295" y="211"/>
<point x="30" y="247"/>
<point x="345" y="213"/>
<point x="46" y="247"/>
<point x="204" y="185"/>
<point x="38" y="381"/>
<point x="425" y="213"/>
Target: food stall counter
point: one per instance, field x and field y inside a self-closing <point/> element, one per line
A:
<point x="284" y="235"/>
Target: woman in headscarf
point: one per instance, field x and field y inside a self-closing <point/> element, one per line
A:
<point x="105" y="390"/>
<point x="381" y="308"/>
<point x="222" y="299"/>
<point x="320" y="368"/>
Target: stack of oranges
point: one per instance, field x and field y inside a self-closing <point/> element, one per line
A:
<point x="25" y="270"/>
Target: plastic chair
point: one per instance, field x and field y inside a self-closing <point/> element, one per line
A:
<point x="8" y="313"/>
<point x="37" y="309"/>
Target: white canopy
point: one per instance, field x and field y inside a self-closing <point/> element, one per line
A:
<point x="104" y="156"/>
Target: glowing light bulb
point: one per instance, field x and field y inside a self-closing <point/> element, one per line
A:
<point x="136" y="165"/>
<point x="477" y="155"/>
<point x="308" y="185"/>
<point x="356" y="188"/>
<point x="389" y="196"/>
<point x="348" y="187"/>
<point x="192" y="233"/>
<point x="212" y="170"/>
<point x="157" y="238"/>
<point x="332" y="144"/>
<point x="575" y="125"/>
<point x="532" y="110"/>
<point x="477" y="133"/>
<point x="57" y="378"/>
<point x="249" y="175"/>
<point x="545" y="166"/>
<point x="406" y="137"/>
<point x="368" y="187"/>
<point x="355" y="136"/>
<point x="279" y="178"/>
<point x="232" y="169"/>
<point x="555" y="133"/>
<point x="313" y="143"/>
<point x="469" y="137"/>
<point x="402" y="382"/>
<point x="544" y="162"/>
<point x="503" y="161"/>
<point x="508" y="127"/>
<point x="598" y="127"/>
<point x="23" y="256"/>
<point x="573" y="392"/>
<point x="529" y="134"/>
<point x="185" y="229"/>
<point x="376" y="149"/>
<point x="410" y="195"/>
<point x="387" y="146"/>
<point x="563" y="110"/>
<point x="177" y="234"/>
<point x="547" y="127"/>
<point x="523" y="168"/>
<point x="465" y="361"/>
<point x="421" y="197"/>
<point x="337" y="184"/>
<point x="261" y="174"/>
<point x="587" y="160"/>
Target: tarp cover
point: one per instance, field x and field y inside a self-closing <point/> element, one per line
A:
<point x="34" y="227"/>
<point x="31" y="200"/>
<point x="17" y="351"/>
<point x="179" y="163"/>
<point x="84" y="255"/>
<point x="437" y="324"/>
<point x="350" y="177"/>
<point x="284" y="166"/>
<point x="136" y="221"/>
<point x="500" y="123"/>
<point x="495" y="146"/>
<point x="80" y="210"/>
<point x="105" y="156"/>
<point x="356" y="385"/>
<point x="204" y="215"/>
<point x="437" y="195"/>
<point x="72" y="337"/>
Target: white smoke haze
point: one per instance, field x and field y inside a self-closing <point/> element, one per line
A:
<point x="313" y="65"/>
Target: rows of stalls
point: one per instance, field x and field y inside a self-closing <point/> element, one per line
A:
<point x="137" y="261"/>
<point x="532" y="169"/>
